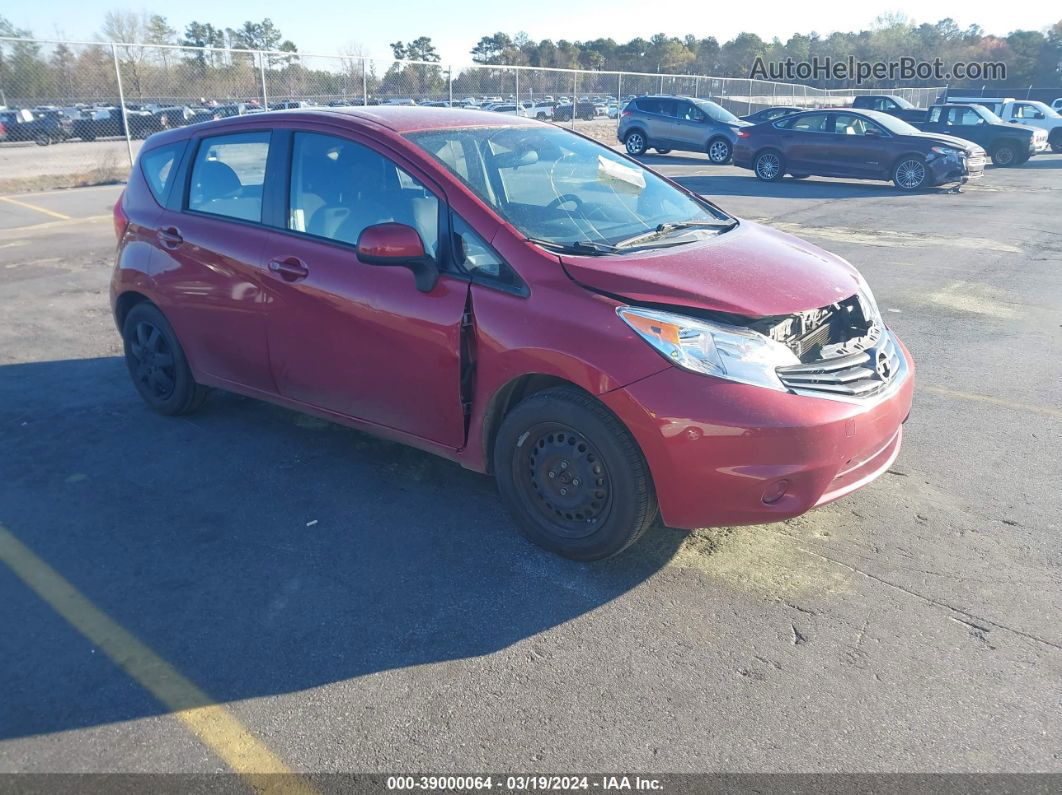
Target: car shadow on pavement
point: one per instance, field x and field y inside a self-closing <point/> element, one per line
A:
<point x="257" y="550"/>
<point x="789" y="188"/>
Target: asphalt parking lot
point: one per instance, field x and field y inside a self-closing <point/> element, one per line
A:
<point x="319" y="599"/>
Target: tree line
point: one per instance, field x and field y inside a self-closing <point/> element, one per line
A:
<point x="30" y="72"/>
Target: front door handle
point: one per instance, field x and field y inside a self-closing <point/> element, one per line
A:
<point x="170" y="237"/>
<point x="290" y="269"/>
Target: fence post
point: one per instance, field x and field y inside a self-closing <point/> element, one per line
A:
<point x="661" y="84"/>
<point x="121" y="103"/>
<point x="575" y="96"/>
<point x="364" y="82"/>
<point x="261" y="71"/>
<point x="450" y="84"/>
<point x="516" y="72"/>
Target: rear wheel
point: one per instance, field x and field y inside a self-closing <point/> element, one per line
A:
<point x="635" y="142"/>
<point x="719" y="151"/>
<point x="42" y="139"/>
<point x="1006" y="154"/>
<point x="572" y="475"/>
<point x="1057" y="147"/>
<point x="157" y="363"/>
<point x="769" y="166"/>
<point x="910" y="173"/>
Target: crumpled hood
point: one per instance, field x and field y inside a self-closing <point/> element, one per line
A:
<point x="751" y="270"/>
<point x="949" y="140"/>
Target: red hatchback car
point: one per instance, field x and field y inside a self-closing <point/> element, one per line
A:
<point x="517" y="298"/>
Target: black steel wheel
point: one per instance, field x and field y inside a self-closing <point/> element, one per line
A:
<point x="157" y="364"/>
<point x="572" y="475"/>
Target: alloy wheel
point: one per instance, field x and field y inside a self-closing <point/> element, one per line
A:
<point x="910" y="174"/>
<point x="635" y="144"/>
<point x="768" y="166"/>
<point x="719" y="152"/>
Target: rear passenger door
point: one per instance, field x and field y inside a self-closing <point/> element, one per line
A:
<point x="351" y="338"/>
<point x="807" y="144"/>
<point x="208" y="273"/>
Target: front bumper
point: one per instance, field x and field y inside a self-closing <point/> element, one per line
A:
<point x="955" y="169"/>
<point x="721" y="452"/>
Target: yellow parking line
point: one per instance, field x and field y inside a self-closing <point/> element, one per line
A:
<point x="211" y="723"/>
<point x="29" y="206"/>
<point x="53" y="224"/>
<point x="1048" y="411"/>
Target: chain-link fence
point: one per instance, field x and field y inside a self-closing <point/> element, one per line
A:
<point x="92" y="103"/>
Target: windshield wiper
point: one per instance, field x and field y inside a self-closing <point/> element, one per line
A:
<point x="585" y="247"/>
<point x="667" y="228"/>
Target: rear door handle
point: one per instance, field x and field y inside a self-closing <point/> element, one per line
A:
<point x="170" y="237"/>
<point x="290" y="270"/>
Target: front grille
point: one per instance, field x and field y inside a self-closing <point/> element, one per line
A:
<point x="856" y="375"/>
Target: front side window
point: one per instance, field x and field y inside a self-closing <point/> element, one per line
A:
<point x="964" y="117"/>
<point x="715" y="111"/>
<point x="557" y="187"/>
<point x="339" y="187"/>
<point x="228" y="175"/>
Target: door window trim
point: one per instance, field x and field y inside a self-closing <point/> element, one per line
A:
<point x="279" y="173"/>
<point x="192" y="154"/>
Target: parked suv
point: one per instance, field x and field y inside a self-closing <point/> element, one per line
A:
<point x="514" y="297"/>
<point x="690" y="125"/>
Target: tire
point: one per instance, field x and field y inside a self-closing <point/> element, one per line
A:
<point x="910" y="173"/>
<point x="769" y="165"/>
<point x="589" y="117"/>
<point x="635" y="143"/>
<point x="660" y="151"/>
<point x="1057" y="148"/>
<point x="1004" y="155"/>
<point x="719" y="151"/>
<point x="157" y="364"/>
<point x="42" y="139"/>
<point x="572" y="475"/>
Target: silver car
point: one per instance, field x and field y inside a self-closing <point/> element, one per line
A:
<point x="684" y="123"/>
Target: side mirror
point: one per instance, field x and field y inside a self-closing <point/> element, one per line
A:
<point x="398" y="244"/>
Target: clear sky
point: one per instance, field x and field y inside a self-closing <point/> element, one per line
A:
<point x="326" y="26"/>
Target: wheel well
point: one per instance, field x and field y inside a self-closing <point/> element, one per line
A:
<point x="896" y="162"/>
<point x="1055" y="136"/>
<point x="505" y="399"/>
<point x="627" y="134"/>
<point x="125" y="302"/>
<point x="1004" y="142"/>
<point x="763" y="149"/>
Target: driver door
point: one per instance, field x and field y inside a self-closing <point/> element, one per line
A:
<point x="352" y="338"/>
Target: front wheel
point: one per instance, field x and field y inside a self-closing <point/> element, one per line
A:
<point x="635" y="142"/>
<point x="769" y="166"/>
<point x="572" y="475"/>
<point x="42" y="139"/>
<point x="660" y="151"/>
<point x="1004" y="155"/>
<point x="157" y="363"/>
<point x="910" y="174"/>
<point x="719" y="151"/>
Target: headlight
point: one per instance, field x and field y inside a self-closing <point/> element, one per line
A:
<point x="947" y="151"/>
<point x="867" y="302"/>
<point x="730" y="352"/>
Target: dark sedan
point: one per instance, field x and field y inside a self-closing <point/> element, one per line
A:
<point x="770" y="114"/>
<point x="863" y="144"/>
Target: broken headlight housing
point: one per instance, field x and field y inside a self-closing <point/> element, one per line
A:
<point x="717" y="349"/>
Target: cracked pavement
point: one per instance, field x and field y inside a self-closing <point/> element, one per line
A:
<point x="361" y="606"/>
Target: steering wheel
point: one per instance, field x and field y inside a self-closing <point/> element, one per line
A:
<point x="564" y="199"/>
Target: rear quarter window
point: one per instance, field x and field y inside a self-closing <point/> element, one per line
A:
<point x="158" y="167"/>
<point x="648" y="105"/>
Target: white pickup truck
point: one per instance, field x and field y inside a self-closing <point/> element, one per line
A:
<point x="1023" y="111"/>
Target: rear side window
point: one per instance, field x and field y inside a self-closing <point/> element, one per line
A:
<point x="814" y="122"/>
<point x="228" y="176"/>
<point x="158" y="166"/>
<point x="648" y="105"/>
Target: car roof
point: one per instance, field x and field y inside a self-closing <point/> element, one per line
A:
<point x="395" y="118"/>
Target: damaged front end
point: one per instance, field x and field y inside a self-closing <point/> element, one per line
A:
<point x="842" y="351"/>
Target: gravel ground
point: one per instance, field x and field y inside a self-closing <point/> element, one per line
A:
<point x="361" y="606"/>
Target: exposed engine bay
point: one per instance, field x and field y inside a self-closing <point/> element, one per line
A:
<point x="815" y="334"/>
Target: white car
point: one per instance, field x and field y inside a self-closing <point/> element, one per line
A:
<point x="1057" y="104"/>
<point x="541" y="111"/>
